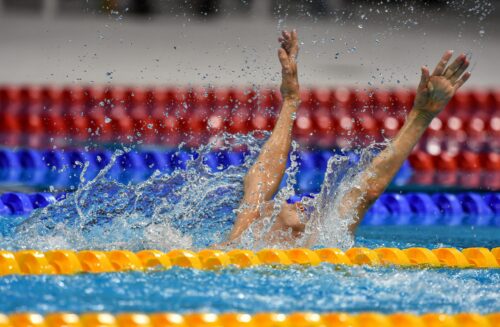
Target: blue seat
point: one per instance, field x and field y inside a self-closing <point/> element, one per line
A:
<point x="9" y="165"/>
<point x="212" y="160"/>
<point x="41" y="200"/>
<point x="55" y="160"/>
<point x="377" y="215"/>
<point x="423" y="208"/>
<point x="493" y="201"/>
<point x="154" y="160"/>
<point x="478" y="213"/>
<point x="101" y="158"/>
<point x="398" y="207"/>
<point x="132" y="167"/>
<point x="450" y="208"/>
<point x="178" y="159"/>
<point x="33" y="169"/>
<point x="235" y="158"/>
<point x="18" y="203"/>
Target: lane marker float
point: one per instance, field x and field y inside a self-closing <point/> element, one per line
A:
<point x="33" y="262"/>
<point x="298" y="319"/>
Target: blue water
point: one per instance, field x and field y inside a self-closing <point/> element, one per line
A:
<point x="194" y="208"/>
<point x="322" y="289"/>
<point x="366" y="236"/>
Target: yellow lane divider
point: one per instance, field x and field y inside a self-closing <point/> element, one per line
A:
<point x="72" y="262"/>
<point x="299" y="319"/>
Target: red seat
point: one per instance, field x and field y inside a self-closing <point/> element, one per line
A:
<point x="402" y="102"/>
<point x="420" y="160"/>
<point x="469" y="161"/>
<point x="490" y="161"/>
<point x="445" y="162"/>
<point x="343" y="101"/>
<point x="241" y="114"/>
<point x="324" y="127"/>
<point x="345" y="131"/>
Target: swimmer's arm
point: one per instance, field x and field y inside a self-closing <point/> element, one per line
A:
<point x="433" y="94"/>
<point x="264" y="177"/>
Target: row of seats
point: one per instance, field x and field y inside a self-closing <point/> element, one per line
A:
<point x="14" y="160"/>
<point x="13" y="203"/>
<point x="436" y="209"/>
<point x="62" y="168"/>
<point x="462" y="161"/>
<point x="34" y="262"/>
<point x="297" y="319"/>
<point x="195" y="128"/>
<point x="339" y="117"/>
<point x="466" y="103"/>
<point x="464" y="170"/>
<point x="391" y="209"/>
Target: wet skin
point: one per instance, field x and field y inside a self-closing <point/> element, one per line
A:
<point x="263" y="178"/>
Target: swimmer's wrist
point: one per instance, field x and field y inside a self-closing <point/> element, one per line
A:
<point x="422" y="115"/>
<point x="292" y="99"/>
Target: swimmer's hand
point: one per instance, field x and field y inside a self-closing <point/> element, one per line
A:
<point x="288" y="59"/>
<point x="436" y="90"/>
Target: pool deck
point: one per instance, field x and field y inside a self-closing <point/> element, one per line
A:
<point x="238" y="51"/>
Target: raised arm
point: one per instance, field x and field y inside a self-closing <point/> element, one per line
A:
<point x="264" y="177"/>
<point x="433" y="94"/>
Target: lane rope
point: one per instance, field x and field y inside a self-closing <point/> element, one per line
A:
<point x="298" y="319"/>
<point x="34" y="262"/>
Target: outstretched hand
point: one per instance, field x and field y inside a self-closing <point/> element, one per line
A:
<point x="436" y="90"/>
<point x="288" y="59"/>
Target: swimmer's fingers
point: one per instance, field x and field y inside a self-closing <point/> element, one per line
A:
<point x="455" y="66"/>
<point x="460" y="71"/>
<point x="294" y="48"/>
<point x="462" y="80"/>
<point x="289" y="42"/>
<point x="284" y="44"/>
<point x="439" y="70"/>
<point x="283" y="56"/>
<point x="424" y="79"/>
<point x="286" y="35"/>
<point x="285" y="40"/>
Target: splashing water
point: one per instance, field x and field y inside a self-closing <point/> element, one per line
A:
<point x="188" y="208"/>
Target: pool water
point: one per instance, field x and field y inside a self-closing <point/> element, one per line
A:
<point x="193" y="208"/>
<point x="322" y="289"/>
<point x="284" y="289"/>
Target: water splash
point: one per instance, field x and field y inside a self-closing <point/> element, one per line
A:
<point x="188" y="208"/>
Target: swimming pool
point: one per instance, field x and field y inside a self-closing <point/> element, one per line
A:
<point x="318" y="289"/>
<point x="324" y="288"/>
<point x="128" y="206"/>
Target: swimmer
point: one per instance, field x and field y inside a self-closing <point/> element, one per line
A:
<point x="263" y="178"/>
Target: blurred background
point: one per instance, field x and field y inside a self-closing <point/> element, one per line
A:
<point x="81" y="77"/>
<point x="233" y="42"/>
